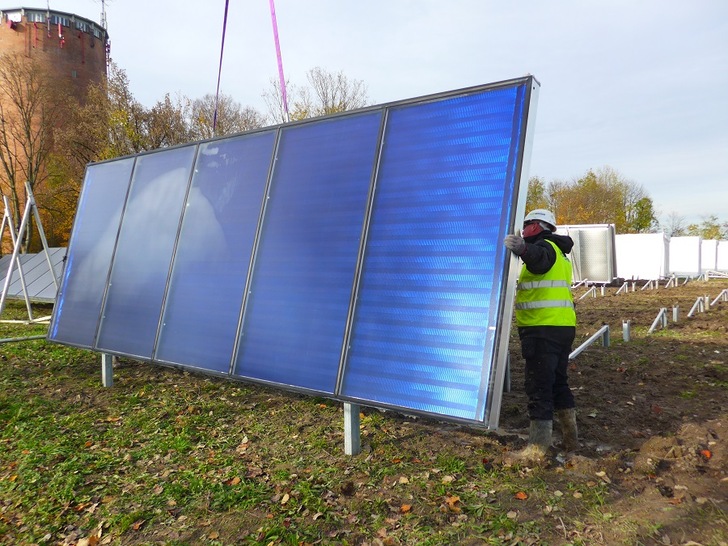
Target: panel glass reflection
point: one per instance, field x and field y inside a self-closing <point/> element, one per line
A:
<point x="214" y="251"/>
<point x="304" y="271"/>
<point x="144" y="252"/>
<point x="81" y="292"/>
<point x="423" y="329"/>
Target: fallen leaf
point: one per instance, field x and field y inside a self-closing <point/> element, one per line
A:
<point x="213" y="535"/>
<point x="452" y="503"/>
<point x="285" y="498"/>
<point x="405" y="508"/>
<point x="706" y="454"/>
<point x="232" y="481"/>
<point x="138" y="524"/>
<point x="521" y="495"/>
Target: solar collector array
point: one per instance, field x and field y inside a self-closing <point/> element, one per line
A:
<point x="357" y="256"/>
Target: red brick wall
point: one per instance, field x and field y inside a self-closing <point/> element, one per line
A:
<point x="79" y="57"/>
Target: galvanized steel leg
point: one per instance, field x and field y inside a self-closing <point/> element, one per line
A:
<point x="352" y="429"/>
<point x="107" y="370"/>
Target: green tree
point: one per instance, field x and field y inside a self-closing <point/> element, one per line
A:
<point x="709" y="228"/>
<point x="602" y="197"/>
<point x="537" y="196"/>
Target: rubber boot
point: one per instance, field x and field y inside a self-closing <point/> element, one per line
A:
<point x="539" y="442"/>
<point x="566" y="418"/>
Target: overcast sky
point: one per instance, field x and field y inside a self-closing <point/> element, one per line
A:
<point x="639" y="86"/>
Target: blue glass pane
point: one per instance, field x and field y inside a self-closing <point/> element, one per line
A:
<point x="144" y="252"/>
<point x="78" y="305"/>
<point x="214" y="250"/>
<point x="304" y="270"/>
<point x="423" y="331"/>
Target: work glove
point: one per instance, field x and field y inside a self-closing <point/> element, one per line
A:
<point x="515" y="243"/>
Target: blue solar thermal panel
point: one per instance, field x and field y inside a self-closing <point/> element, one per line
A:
<point x="214" y="251"/>
<point x="81" y="291"/>
<point x="423" y="330"/>
<point x="358" y="256"/>
<point x="295" y="321"/>
<point x="144" y="252"/>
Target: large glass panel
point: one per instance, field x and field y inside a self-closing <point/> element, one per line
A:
<point x="304" y="271"/>
<point x="423" y="332"/>
<point x="214" y="250"/>
<point x="78" y="305"/>
<point x="144" y="252"/>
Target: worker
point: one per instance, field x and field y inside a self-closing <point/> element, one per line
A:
<point x="546" y="323"/>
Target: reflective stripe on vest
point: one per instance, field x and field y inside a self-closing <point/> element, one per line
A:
<point x="545" y="304"/>
<point x="543" y="284"/>
<point x="546" y="300"/>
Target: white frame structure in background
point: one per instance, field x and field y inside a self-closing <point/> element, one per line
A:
<point x="30" y="209"/>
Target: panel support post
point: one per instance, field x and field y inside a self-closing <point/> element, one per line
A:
<point x="675" y="313"/>
<point x="352" y="429"/>
<point x="107" y="370"/>
<point x="626" y="330"/>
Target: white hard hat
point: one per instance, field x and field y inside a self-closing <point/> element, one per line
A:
<point x="541" y="215"/>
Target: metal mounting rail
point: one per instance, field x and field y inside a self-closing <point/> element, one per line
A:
<point x="699" y="305"/>
<point x="591" y="291"/>
<point x="660" y="319"/>
<point x="722" y="296"/>
<point x="602" y="333"/>
<point x="14" y="339"/>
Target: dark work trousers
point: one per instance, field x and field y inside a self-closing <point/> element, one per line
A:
<point x="546" y="350"/>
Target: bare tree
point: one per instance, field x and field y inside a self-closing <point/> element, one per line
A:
<point x="326" y="93"/>
<point x="32" y="106"/>
<point x="675" y="225"/>
<point x="335" y="92"/>
<point x="231" y="117"/>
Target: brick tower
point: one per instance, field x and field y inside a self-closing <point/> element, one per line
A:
<point x="73" y="51"/>
<point x="73" y="47"/>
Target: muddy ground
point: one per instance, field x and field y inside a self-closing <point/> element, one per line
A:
<point x="652" y="411"/>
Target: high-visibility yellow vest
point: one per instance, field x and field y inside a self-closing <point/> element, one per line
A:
<point x="546" y="300"/>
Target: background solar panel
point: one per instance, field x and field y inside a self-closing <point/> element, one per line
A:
<point x="39" y="283"/>
<point x="434" y="255"/>
<point x="214" y="251"/>
<point x="144" y="252"/>
<point x="78" y="305"/>
<point x="302" y="283"/>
